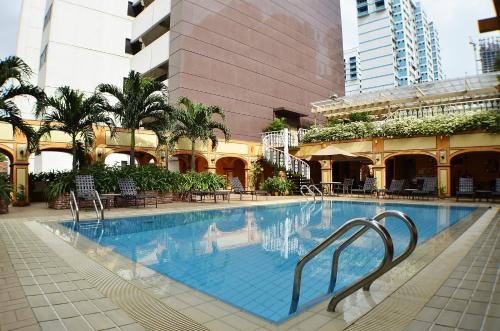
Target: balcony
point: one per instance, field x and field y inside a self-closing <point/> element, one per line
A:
<point x="150" y="17"/>
<point x="153" y="56"/>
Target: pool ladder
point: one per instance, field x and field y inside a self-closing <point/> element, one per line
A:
<point x="388" y="262"/>
<point x="311" y="190"/>
<point x="75" y="209"/>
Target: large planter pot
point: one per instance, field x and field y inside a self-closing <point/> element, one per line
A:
<point x="4" y="208"/>
<point x="21" y="203"/>
<point x="62" y="202"/>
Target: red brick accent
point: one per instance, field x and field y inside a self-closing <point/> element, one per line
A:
<point x="62" y="202"/>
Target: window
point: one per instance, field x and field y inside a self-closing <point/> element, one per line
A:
<point x="134" y="10"/>
<point x="132" y="48"/>
<point x="43" y="56"/>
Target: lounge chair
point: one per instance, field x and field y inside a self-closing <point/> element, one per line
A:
<point x="429" y="188"/>
<point x="224" y="194"/>
<point x="368" y="187"/>
<point x="465" y="188"/>
<point x="346" y="186"/>
<point x="86" y="192"/>
<point x="395" y="188"/>
<point x="238" y="188"/>
<point x="495" y="194"/>
<point x="128" y="192"/>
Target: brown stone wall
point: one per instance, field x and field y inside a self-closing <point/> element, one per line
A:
<point x="252" y="56"/>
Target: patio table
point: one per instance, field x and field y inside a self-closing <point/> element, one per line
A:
<point x="331" y="186"/>
<point x="409" y="192"/>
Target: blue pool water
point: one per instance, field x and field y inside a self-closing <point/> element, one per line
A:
<point x="246" y="256"/>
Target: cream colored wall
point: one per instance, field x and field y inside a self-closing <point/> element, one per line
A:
<point x="123" y="139"/>
<point x="403" y="144"/>
<point x="6" y="132"/>
<point x="474" y="140"/>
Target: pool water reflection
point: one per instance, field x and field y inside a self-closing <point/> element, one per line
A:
<point x="246" y="256"/>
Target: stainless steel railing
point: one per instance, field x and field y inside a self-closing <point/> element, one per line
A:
<point x="385" y="265"/>
<point x="73" y="204"/>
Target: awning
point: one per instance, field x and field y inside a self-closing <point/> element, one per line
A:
<point x="336" y="154"/>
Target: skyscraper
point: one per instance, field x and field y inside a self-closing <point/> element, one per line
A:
<point x="396" y="44"/>
<point x="352" y="71"/>
<point x="250" y="58"/>
<point x="489" y="50"/>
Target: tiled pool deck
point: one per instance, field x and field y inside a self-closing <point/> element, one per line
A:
<point x="46" y="283"/>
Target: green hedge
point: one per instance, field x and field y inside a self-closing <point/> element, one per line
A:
<point x="407" y="127"/>
<point x="146" y="178"/>
<point x="276" y="185"/>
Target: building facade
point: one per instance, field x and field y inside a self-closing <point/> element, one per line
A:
<point x="396" y="44"/>
<point x="352" y="70"/>
<point x="247" y="58"/>
<point x="489" y="50"/>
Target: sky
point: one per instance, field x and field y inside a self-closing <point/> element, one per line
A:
<point x="456" y="21"/>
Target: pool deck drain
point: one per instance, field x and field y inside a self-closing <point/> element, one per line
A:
<point x="146" y="299"/>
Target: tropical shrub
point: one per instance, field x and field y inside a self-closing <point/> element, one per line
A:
<point x="276" y="185"/>
<point x="5" y="190"/>
<point x="277" y="124"/>
<point x="407" y="127"/>
<point x="146" y="178"/>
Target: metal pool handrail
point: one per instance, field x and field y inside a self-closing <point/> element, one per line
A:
<point x="311" y="189"/>
<point x="366" y="223"/>
<point x="73" y="204"/>
<point x="366" y="284"/>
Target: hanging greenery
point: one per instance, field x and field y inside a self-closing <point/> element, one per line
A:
<point x="407" y="127"/>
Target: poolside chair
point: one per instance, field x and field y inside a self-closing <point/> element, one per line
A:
<point x="368" y="187"/>
<point x="86" y="192"/>
<point x="495" y="194"/>
<point x="429" y="188"/>
<point x="465" y="187"/>
<point x="128" y="192"/>
<point x="395" y="188"/>
<point x="238" y="188"/>
<point x="346" y="186"/>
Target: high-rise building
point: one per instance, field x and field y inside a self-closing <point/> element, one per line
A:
<point x="436" y="53"/>
<point x="352" y="70"/>
<point x="395" y="44"/>
<point x="249" y="58"/>
<point x="489" y="50"/>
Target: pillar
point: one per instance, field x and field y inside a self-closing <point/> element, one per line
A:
<point x="378" y="167"/>
<point x="20" y="172"/>
<point x="246" y="184"/>
<point x="326" y="171"/>
<point x="443" y="165"/>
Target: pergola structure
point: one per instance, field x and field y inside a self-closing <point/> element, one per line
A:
<point x="467" y="93"/>
<point x="492" y="23"/>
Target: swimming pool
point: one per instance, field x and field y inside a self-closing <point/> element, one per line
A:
<point x="246" y="256"/>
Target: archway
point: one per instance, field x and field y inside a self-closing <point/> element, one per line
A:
<point x="483" y="166"/>
<point x="184" y="162"/>
<point x="51" y="159"/>
<point x="230" y="167"/>
<point x="410" y="167"/>
<point x="122" y="158"/>
<point x="356" y="170"/>
<point x="315" y="167"/>
<point x="6" y="160"/>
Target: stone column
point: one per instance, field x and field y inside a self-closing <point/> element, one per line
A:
<point x="20" y="171"/>
<point x="378" y="167"/>
<point x="443" y="165"/>
<point x="326" y="171"/>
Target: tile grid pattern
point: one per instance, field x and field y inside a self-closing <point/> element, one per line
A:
<point x="470" y="298"/>
<point x="51" y="295"/>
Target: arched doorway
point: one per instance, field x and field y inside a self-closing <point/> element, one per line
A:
<point x="51" y="159"/>
<point x="484" y="167"/>
<point x="230" y="167"/>
<point x="6" y="160"/>
<point x="410" y="167"/>
<point x="122" y="158"/>
<point x="315" y="167"/>
<point x="183" y="161"/>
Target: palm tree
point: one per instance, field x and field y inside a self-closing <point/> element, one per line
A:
<point x="195" y="122"/>
<point x="142" y="102"/>
<point x="69" y="111"/>
<point x="14" y="74"/>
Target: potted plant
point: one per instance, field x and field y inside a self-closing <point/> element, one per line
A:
<point x="21" y="198"/>
<point x="276" y="185"/>
<point x="5" y="195"/>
